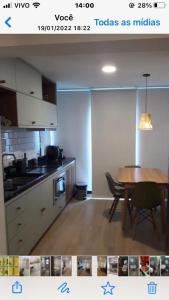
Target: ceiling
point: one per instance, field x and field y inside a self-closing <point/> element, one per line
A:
<point x="77" y="62"/>
<point x="84" y="70"/>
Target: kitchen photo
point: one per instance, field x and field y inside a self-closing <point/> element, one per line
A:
<point x="84" y="145"/>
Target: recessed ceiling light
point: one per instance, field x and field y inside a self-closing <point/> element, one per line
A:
<point x="109" y="69"/>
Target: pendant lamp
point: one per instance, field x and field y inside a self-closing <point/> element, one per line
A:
<point x="145" y="119"/>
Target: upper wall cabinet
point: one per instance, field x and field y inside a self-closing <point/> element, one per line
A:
<point x="21" y="100"/>
<point x="28" y="80"/>
<point x="7" y="73"/>
<point x="35" y="113"/>
<point x="27" y="112"/>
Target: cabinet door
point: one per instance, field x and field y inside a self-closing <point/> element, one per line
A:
<point x="16" y="208"/>
<point x="70" y="182"/>
<point x="50" y="114"/>
<point x="35" y="113"/>
<point x="46" y="205"/>
<point x="19" y="245"/>
<point x="7" y="73"/>
<point x="17" y="222"/>
<point x="16" y="226"/>
<point x="40" y="210"/>
<point x="28" y="80"/>
<point x="60" y="204"/>
<point x="33" y="213"/>
<point x="30" y="111"/>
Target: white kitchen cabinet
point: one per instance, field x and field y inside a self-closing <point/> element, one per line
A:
<point x="19" y="244"/>
<point x="60" y="205"/>
<point x="7" y="73"/>
<point x="16" y="226"/>
<point x="70" y="181"/>
<point x="30" y="214"/>
<point x="17" y="222"/>
<point x="28" y="80"/>
<point x="34" y="214"/>
<point x="15" y="208"/>
<point x="46" y="205"/>
<point x="49" y="114"/>
<point x="22" y="102"/>
<point x="30" y="111"/>
<point x="35" y="113"/>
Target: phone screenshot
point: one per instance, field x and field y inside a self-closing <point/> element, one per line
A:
<point x="84" y="149"/>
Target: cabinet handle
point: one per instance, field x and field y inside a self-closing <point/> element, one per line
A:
<point x="20" y="241"/>
<point x="43" y="209"/>
<point x="18" y="208"/>
<point x="19" y="224"/>
<point x="2" y="81"/>
<point x="51" y="123"/>
<point x="33" y="122"/>
<point x="32" y="93"/>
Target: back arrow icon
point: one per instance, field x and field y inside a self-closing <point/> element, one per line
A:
<point x="7" y="22"/>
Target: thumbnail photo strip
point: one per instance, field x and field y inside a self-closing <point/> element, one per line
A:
<point x="56" y="266"/>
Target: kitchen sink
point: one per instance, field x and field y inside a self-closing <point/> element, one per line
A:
<point x="16" y="182"/>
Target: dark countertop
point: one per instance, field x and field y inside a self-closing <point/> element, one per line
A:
<point x="43" y="171"/>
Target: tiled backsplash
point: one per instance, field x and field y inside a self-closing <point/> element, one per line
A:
<point x="19" y="141"/>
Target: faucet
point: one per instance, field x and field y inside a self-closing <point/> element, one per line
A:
<point x="9" y="154"/>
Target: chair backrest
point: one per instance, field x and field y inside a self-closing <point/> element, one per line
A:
<point x="146" y="195"/>
<point x="133" y="166"/>
<point x="110" y="182"/>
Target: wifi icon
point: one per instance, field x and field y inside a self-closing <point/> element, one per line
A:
<point x="36" y="4"/>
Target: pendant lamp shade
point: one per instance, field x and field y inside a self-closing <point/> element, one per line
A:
<point x="145" y="122"/>
<point x="145" y="119"/>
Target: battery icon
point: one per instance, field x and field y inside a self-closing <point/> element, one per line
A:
<point x="159" y="4"/>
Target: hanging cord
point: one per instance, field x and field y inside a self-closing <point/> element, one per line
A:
<point x="146" y="92"/>
<point x="146" y="97"/>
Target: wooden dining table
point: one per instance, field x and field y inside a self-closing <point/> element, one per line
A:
<point x="130" y="176"/>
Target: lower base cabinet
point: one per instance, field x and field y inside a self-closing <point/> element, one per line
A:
<point x="70" y="181"/>
<point x="28" y="216"/>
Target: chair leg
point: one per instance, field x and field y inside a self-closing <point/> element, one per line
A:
<point x="130" y="212"/>
<point x="134" y="223"/>
<point x="115" y="203"/>
<point x="153" y="220"/>
<point x="111" y="208"/>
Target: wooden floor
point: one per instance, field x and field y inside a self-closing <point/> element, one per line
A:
<point x="83" y="229"/>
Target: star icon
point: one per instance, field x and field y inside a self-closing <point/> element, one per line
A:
<point x="108" y="288"/>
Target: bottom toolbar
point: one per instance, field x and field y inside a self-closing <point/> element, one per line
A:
<point x="83" y="288"/>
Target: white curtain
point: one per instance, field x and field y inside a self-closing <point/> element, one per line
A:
<point x="74" y="131"/>
<point x="113" y="135"/>
<point x="153" y="146"/>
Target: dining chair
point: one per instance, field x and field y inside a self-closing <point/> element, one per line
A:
<point x="146" y="198"/>
<point x="117" y="191"/>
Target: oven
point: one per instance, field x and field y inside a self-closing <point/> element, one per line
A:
<point x="59" y="187"/>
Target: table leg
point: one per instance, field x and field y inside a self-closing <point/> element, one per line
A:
<point x="167" y="222"/>
<point x="162" y="209"/>
<point x="125" y="204"/>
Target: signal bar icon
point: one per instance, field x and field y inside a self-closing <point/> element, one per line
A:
<point x="8" y="5"/>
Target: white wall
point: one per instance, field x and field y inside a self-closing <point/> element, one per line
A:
<point x="113" y="135"/>
<point x="47" y="137"/>
<point x="74" y="131"/>
<point x="153" y="146"/>
<point x="3" y="249"/>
